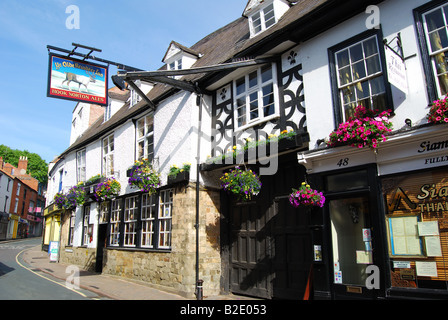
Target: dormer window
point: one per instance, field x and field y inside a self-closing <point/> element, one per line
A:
<point x="179" y="57"/>
<point x="262" y="20"/>
<point x="263" y="14"/>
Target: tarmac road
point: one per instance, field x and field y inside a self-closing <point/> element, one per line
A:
<point x="19" y="281"/>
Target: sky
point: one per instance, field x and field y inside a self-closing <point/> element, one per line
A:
<point x="136" y="33"/>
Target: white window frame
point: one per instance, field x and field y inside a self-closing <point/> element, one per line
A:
<point x="148" y="212"/>
<point x="367" y="77"/>
<point x="260" y="21"/>
<point x="130" y="221"/>
<point x="248" y="93"/>
<point x="165" y="218"/>
<point x="72" y="228"/>
<point x="115" y="211"/>
<point x="86" y="225"/>
<point x="434" y="53"/>
<point x="144" y="136"/>
<point x="108" y="145"/>
<point x="81" y="165"/>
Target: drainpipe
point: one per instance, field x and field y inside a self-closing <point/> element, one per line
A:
<point x="198" y="292"/>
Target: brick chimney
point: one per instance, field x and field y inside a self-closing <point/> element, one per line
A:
<point x="1" y="162"/>
<point x="22" y="166"/>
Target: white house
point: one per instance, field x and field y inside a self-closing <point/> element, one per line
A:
<point x="294" y="71"/>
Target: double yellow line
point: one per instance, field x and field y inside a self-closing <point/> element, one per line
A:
<point x="58" y="283"/>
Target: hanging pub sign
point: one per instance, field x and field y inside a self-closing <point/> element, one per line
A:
<point x="77" y="80"/>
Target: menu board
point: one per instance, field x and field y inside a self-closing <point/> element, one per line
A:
<point x="404" y="237"/>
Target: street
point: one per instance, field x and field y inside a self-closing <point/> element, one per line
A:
<point x="19" y="281"/>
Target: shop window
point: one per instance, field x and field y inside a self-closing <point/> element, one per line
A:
<point x="130" y="220"/>
<point x="87" y="228"/>
<point x="165" y="209"/>
<point x="358" y="77"/>
<point x="71" y="229"/>
<point x="417" y="224"/>
<point x="115" y="222"/>
<point x="148" y="213"/>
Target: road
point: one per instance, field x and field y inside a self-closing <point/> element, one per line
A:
<point x="19" y="281"/>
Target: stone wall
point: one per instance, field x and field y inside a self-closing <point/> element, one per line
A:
<point x="176" y="270"/>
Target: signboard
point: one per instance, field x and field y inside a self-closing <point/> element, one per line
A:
<point x="53" y="250"/>
<point x="396" y="70"/>
<point x="77" y="80"/>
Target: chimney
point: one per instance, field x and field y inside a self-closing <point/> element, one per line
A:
<point x="1" y="162"/>
<point x="23" y="165"/>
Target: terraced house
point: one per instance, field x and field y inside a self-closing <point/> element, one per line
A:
<point x="278" y="92"/>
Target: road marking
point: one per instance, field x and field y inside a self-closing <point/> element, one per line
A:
<point x="17" y="260"/>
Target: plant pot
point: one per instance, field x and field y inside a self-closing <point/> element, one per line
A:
<point x="181" y="177"/>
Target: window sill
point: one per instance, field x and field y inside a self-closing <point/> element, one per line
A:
<point x="138" y="249"/>
<point x="257" y="122"/>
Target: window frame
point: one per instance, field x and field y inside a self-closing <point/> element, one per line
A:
<point x="432" y="84"/>
<point x="261" y="17"/>
<point x="145" y="138"/>
<point x="130" y="219"/>
<point x="250" y="91"/>
<point x="87" y="227"/>
<point x="334" y="75"/>
<point x="156" y="236"/>
<point x="81" y="156"/>
<point x="108" y="155"/>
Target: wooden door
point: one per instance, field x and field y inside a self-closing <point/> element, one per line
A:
<point x="250" y="266"/>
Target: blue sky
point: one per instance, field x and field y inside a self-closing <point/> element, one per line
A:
<point x="134" y="32"/>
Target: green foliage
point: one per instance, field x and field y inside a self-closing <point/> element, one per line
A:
<point x="37" y="167"/>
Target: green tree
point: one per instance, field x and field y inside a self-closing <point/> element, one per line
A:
<point x="37" y="167"/>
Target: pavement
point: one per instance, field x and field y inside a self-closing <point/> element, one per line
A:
<point x="105" y="286"/>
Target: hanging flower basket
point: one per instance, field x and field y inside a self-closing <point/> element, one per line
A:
<point x="243" y="183"/>
<point x="144" y="177"/>
<point x="365" y="129"/>
<point x="107" y="190"/>
<point x="59" y="200"/>
<point x="76" y="196"/>
<point x="439" y="111"/>
<point x="305" y="196"/>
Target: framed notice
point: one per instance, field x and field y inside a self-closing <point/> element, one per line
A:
<point x="404" y="237"/>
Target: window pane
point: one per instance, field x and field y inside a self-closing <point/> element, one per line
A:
<point x="140" y="128"/>
<point x="345" y="76"/>
<point x="253" y="79"/>
<point x="266" y="74"/>
<point x="347" y="181"/>
<point x="253" y="105"/>
<point x="434" y="20"/>
<point x="377" y="85"/>
<point x="359" y="71"/>
<point x="268" y="100"/>
<point x="356" y="53"/>
<point x="373" y="65"/>
<point x="370" y="47"/>
<point x="362" y="90"/>
<point x="438" y="40"/>
<point x="240" y="86"/>
<point x="343" y="59"/>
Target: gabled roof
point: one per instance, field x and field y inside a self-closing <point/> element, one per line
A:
<point x="177" y="46"/>
<point x="233" y="41"/>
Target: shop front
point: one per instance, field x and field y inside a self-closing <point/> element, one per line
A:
<point x="384" y="230"/>
<point x="52" y="225"/>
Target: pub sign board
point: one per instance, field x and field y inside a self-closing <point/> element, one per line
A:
<point x="77" y="80"/>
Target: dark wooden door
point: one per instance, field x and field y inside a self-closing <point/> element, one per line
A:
<point x="270" y="241"/>
<point x="250" y="258"/>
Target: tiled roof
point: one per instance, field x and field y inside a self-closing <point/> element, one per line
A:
<point x="230" y="41"/>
